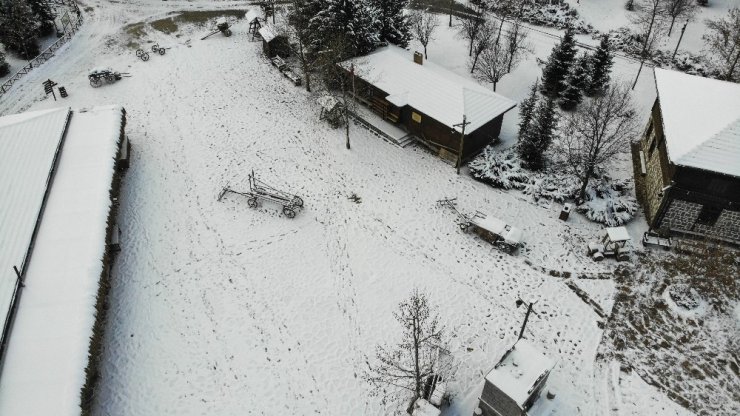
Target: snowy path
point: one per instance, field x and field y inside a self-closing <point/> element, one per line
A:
<point x="221" y="309"/>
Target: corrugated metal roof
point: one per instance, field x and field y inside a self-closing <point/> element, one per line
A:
<point x="28" y="146"/>
<point x="429" y="88"/>
<point x="701" y="120"/>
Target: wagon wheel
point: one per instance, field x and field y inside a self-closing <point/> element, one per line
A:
<point x="464" y="226"/>
<point x="227" y="33"/>
<point x="139" y="52"/>
<point x="155" y="47"/>
<point x="145" y="57"/>
<point x="252" y="202"/>
<point x="95" y="82"/>
<point x="288" y="211"/>
<point x="162" y="51"/>
<point x="110" y="78"/>
<point x="297" y="201"/>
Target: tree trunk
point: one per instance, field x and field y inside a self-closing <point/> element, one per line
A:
<point x="470" y="49"/>
<point x="731" y="71"/>
<point x="425" y="52"/>
<point x="451" y="1"/>
<point x="642" y="62"/>
<point x="475" y="61"/>
<point x="417" y="371"/>
<point x="670" y="29"/>
<point x="494" y="85"/>
<point x="584" y="184"/>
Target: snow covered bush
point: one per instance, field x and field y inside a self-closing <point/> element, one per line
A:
<point x="607" y="201"/>
<point x="500" y="169"/>
<point x="684" y="296"/>
<point x="555" y="15"/>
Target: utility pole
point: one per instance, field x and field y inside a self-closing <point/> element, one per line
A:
<point x="464" y="123"/>
<point x="520" y="302"/>
<point x="683" y="29"/>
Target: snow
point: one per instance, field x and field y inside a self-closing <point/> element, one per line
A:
<point x="251" y="15"/>
<point x="519" y="369"/>
<point x="618" y="233"/>
<point x="214" y="299"/>
<point x="393" y="70"/>
<point x="29" y="146"/>
<point x="44" y="367"/>
<point x="424" y="408"/>
<point x="701" y="120"/>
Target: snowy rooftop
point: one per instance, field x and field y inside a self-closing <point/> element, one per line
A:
<point x="430" y="89"/>
<point x="267" y="33"/>
<point x="701" y="119"/>
<point x="518" y="371"/>
<point x="28" y="147"/>
<point x="44" y="367"/>
<point x="618" y="233"/>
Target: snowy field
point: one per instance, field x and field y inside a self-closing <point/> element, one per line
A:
<point x="221" y="309"/>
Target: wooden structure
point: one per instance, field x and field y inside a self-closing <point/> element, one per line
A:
<point x="274" y="44"/>
<point x="515" y="382"/>
<point x="428" y="101"/>
<point x="254" y="21"/>
<point x="687" y="162"/>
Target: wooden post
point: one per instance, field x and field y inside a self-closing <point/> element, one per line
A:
<point x="462" y="142"/>
<point x="683" y="29"/>
<point x="526" y="318"/>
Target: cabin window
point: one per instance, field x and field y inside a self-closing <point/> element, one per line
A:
<point x="653" y="144"/>
<point x="708" y="215"/>
<point x="416" y="117"/>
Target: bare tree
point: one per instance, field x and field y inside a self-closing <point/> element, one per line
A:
<point x="517" y="44"/>
<point x="723" y="40"/>
<point x="601" y="128"/>
<point x="423" y="24"/>
<point x="299" y="33"/>
<point x="470" y="27"/>
<point x="499" y="58"/>
<point x="482" y="42"/>
<point x="339" y="78"/>
<point x="679" y="9"/>
<point x="403" y="369"/>
<point x="650" y="23"/>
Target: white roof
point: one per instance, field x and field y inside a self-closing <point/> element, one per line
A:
<point x="267" y="33"/>
<point x="252" y="14"/>
<point x="28" y="146"/>
<point x="429" y="88"/>
<point x="618" y="233"/>
<point x="701" y="121"/>
<point x="47" y="353"/>
<point x="424" y="408"/>
<point x="515" y="375"/>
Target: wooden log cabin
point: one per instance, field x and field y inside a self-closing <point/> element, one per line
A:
<point x="687" y="161"/>
<point x="428" y="101"/>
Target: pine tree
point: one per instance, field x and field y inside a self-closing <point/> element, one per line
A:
<point x="577" y="82"/>
<point x="44" y="16"/>
<point x="4" y="66"/>
<point x="526" y="110"/>
<point x="351" y="19"/>
<point x="601" y="66"/>
<point x="393" y="23"/>
<point x="558" y="65"/>
<point x="18" y="29"/>
<point x="538" y="137"/>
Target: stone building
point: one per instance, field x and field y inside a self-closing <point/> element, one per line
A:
<point x="687" y="162"/>
<point x="515" y="382"/>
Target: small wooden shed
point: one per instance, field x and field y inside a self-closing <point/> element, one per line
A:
<point x="274" y="44"/>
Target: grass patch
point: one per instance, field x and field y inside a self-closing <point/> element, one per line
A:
<point x="135" y="30"/>
<point x="202" y="17"/>
<point x="165" y="26"/>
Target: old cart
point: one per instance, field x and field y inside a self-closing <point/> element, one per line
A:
<point x="222" y="25"/>
<point x="260" y="191"/>
<point x="98" y="76"/>
<point x="491" y="229"/>
<point x="653" y="238"/>
<point x="615" y="242"/>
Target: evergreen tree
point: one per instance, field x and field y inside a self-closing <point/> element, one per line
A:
<point x="393" y="23"/>
<point x="351" y="19"/>
<point x="601" y="66"/>
<point x="44" y="16"/>
<point x="526" y="109"/>
<point x="577" y="82"/>
<point x="4" y="67"/>
<point x="18" y="29"/>
<point x="538" y="137"/>
<point x="558" y="65"/>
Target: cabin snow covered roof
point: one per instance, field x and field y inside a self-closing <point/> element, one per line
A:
<point x="701" y="121"/>
<point x="429" y="88"/>
<point x="518" y="371"/>
<point x="47" y="350"/>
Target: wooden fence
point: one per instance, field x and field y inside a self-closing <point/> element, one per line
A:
<point x="44" y="56"/>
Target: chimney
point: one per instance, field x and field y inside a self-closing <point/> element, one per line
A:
<point x="418" y="58"/>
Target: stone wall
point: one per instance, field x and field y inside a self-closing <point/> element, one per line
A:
<point x="681" y="216"/>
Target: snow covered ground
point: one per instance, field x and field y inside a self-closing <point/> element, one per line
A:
<point x="217" y="308"/>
